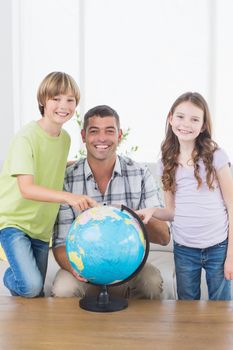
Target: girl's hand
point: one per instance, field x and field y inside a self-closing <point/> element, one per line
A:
<point x="145" y="214"/>
<point x="78" y="277"/>
<point x="228" y="268"/>
<point x="79" y="202"/>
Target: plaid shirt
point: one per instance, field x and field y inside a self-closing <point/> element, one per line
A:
<point x="131" y="184"/>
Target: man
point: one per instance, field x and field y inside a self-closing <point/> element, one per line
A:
<point x="113" y="180"/>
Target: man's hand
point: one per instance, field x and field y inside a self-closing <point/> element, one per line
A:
<point x="78" y="277"/>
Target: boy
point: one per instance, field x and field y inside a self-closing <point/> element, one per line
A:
<point x="31" y="186"/>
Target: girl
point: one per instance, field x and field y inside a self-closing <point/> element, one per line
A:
<point x="198" y="193"/>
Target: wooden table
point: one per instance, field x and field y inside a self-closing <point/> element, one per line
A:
<point x="57" y="323"/>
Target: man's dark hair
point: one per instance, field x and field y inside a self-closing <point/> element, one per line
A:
<point x="101" y="111"/>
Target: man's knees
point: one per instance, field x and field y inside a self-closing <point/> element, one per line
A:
<point x="66" y="285"/>
<point x="147" y="284"/>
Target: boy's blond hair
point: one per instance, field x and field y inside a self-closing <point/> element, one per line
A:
<point x="56" y="83"/>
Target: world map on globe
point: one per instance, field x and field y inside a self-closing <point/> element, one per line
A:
<point x="105" y="245"/>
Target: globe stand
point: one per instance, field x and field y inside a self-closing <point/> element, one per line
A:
<point x="103" y="302"/>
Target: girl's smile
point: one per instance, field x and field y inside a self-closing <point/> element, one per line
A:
<point x="187" y="121"/>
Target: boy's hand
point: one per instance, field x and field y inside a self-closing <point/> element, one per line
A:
<point x="80" y="202"/>
<point x="70" y="162"/>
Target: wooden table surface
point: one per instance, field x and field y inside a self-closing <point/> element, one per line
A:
<point x="59" y="323"/>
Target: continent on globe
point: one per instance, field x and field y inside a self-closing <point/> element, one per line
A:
<point x="105" y="245"/>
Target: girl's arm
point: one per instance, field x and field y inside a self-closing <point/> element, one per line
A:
<point x="29" y="190"/>
<point x="164" y="214"/>
<point x="225" y="180"/>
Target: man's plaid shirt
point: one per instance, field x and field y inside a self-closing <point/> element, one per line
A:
<point x="131" y="184"/>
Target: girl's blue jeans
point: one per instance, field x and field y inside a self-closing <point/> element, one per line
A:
<point x="28" y="259"/>
<point x="189" y="263"/>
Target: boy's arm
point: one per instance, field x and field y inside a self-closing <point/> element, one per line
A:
<point x="29" y="190"/>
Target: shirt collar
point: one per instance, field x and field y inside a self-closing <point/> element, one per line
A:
<point x="88" y="173"/>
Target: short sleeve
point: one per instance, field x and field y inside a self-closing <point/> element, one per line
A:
<point x="159" y="168"/>
<point x="151" y="193"/>
<point x="220" y="159"/>
<point x="21" y="157"/>
<point x="64" y="220"/>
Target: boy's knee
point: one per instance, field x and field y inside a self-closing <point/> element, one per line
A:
<point x="28" y="287"/>
<point x="32" y="289"/>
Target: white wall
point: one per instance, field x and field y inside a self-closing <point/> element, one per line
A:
<point x="135" y="55"/>
<point x="224" y="75"/>
<point x="6" y="74"/>
<point x="140" y="55"/>
<point x="47" y="35"/>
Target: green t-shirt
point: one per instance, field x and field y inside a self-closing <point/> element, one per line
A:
<point x="33" y="152"/>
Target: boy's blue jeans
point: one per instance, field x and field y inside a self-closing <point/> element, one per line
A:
<point x="189" y="263"/>
<point x="28" y="259"/>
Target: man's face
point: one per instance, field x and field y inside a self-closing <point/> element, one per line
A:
<point x="102" y="137"/>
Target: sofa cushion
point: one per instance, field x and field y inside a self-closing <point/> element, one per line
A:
<point x="3" y="290"/>
<point x="164" y="262"/>
<point x="2" y="254"/>
<point x="162" y="248"/>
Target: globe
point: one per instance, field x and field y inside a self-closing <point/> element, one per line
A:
<point x="106" y="245"/>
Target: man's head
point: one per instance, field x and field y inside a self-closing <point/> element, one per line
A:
<point x="54" y="84"/>
<point x="101" y="111"/>
<point x="101" y="132"/>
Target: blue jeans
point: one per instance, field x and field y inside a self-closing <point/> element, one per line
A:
<point x="28" y="259"/>
<point x="189" y="263"/>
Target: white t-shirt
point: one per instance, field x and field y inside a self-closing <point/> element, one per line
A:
<point x="200" y="219"/>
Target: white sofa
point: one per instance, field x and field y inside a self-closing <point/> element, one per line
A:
<point x="160" y="256"/>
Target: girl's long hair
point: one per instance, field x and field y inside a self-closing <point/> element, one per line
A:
<point x="204" y="146"/>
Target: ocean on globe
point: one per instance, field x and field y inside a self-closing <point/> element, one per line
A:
<point x="105" y="245"/>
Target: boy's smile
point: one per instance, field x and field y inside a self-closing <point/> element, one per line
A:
<point x="58" y="110"/>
